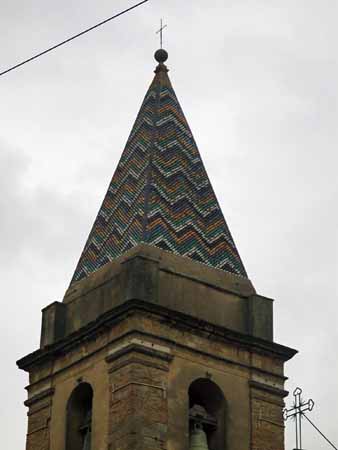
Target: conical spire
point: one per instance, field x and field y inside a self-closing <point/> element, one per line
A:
<point x="160" y="193"/>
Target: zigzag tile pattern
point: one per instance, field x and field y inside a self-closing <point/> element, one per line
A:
<point x="160" y="193"/>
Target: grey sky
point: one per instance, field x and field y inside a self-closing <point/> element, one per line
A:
<point x="257" y="81"/>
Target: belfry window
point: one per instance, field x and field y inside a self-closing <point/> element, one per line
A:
<point x="79" y="418"/>
<point x="206" y="415"/>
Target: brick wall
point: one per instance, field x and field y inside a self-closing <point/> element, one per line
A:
<point x="39" y="415"/>
<point x="138" y="408"/>
<point x="267" y="420"/>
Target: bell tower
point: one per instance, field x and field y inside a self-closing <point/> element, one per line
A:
<point x="161" y="341"/>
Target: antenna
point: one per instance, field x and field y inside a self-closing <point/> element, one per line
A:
<point x="160" y="31"/>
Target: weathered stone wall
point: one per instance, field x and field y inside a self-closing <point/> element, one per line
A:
<point x="140" y="368"/>
<point x="39" y="415"/>
<point x="155" y="276"/>
<point x="267" y="419"/>
<point x="138" y="406"/>
<point x="140" y="331"/>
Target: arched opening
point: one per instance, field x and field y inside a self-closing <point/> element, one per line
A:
<point x="79" y="418"/>
<point x="207" y="411"/>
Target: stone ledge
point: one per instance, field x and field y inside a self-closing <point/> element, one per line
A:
<point x="270" y="389"/>
<point x="138" y="348"/>
<point x="174" y="318"/>
<point x="169" y="262"/>
<point x="120" y="364"/>
<point x="40" y="396"/>
<point x="155" y="276"/>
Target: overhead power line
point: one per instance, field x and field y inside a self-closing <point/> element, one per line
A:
<point x="322" y="434"/>
<point x="72" y="38"/>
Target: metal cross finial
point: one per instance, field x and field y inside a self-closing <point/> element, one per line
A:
<point x="160" y="31"/>
<point x="297" y="411"/>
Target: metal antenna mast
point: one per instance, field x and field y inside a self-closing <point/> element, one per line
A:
<point x="297" y="412"/>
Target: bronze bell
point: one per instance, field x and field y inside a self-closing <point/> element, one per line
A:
<point x="198" y="438"/>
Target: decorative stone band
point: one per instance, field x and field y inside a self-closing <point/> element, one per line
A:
<point x="39" y="397"/>
<point x="140" y="346"/>
<point x="92" y="330"/>
<point x="268" y="388"/>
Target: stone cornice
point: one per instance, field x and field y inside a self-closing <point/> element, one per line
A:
<point x="173" y="318"/>
<point x="270" y="389"/>
<point x="40" y="396"/>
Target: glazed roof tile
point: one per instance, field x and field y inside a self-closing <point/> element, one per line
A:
<point x="160" y="193"/>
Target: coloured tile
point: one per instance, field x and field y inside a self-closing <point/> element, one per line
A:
<point x="160" y="193"/>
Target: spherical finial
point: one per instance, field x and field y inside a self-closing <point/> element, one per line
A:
<point x="161" y="55"/>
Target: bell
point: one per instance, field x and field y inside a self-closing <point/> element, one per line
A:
<point x="198" y="438"/>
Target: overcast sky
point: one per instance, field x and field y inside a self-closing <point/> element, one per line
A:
<point x="257" y="81"/>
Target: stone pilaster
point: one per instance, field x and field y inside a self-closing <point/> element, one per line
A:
<point x="138" y="376"/>
<point x="39" y="414"/>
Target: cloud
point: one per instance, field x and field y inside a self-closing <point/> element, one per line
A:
<point x="37" y="223"/>
<point x="257" y="82"/>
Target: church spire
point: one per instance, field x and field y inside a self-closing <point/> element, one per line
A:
<point x="160" y="193"/>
